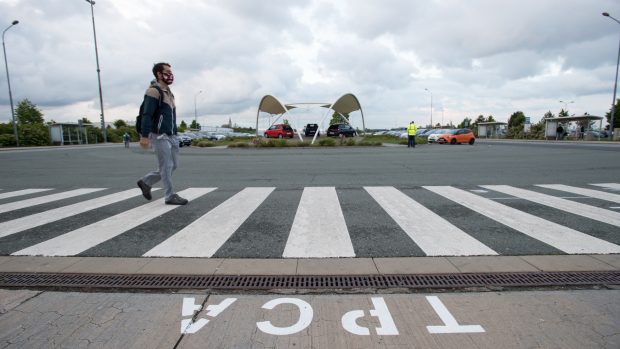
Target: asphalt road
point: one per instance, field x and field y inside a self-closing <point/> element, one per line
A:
<point x="373" y="232"/>
<point x="459" y="165"/>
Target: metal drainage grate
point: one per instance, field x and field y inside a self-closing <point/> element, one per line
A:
<point x="265" y="282"/>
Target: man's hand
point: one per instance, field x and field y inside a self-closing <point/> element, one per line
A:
<point x="144" y="142"/>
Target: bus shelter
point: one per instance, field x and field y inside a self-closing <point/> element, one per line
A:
<point x="551" y="124"/>
<point x="491" y="129"/>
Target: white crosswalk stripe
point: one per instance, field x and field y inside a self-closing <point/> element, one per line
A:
<point x="435" y="235"/>
<point x="207" y="234"/>
<point x="12" y="194"/>
<point x="612" y="186"/>
<point x="46" y="199"/>
<point x="319" y="228"/>
<point x="599" y="214"/>
<point x="35" y="220"/>
<point x="597" y="194"/>
<point x="80" y="240"/>
<point x="558" y="236"/>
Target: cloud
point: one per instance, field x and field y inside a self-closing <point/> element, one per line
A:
<point x="477" y="57"/>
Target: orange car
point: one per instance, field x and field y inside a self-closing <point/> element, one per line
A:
<point x="459" y="135"/>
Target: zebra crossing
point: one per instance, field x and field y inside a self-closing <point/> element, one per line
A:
<point x="327" y="222"/>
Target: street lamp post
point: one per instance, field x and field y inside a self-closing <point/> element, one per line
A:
<point x="9" y="82"/>
<point x="613" y="102"/>
<point x="103" y="131"/>
<point x="195" y="110"/>
<point x="431" y="106"/>
<point x="566" y="105"/>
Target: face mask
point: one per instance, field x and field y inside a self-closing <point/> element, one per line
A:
<point x="168" y="78"/>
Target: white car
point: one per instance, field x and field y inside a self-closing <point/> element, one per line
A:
<point x="434" y="136"/>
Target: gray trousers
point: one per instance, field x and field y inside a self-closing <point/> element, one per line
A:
<point x="167" y="150"/>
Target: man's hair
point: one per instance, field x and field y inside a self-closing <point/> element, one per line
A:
<point x="159" y="67"/>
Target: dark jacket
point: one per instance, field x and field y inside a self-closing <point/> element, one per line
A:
<point x="166" y="121"/>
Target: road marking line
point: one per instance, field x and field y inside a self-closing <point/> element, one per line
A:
<point x="597" y="194"/>
<point x="46" y="199"/>
<point x="599" y="214"/>
<point x="558" y="236"/>
<point x="35" y="220"/>
<point x="435" y="235"/>
<point x="319" y="228"/>
<point x="479" y="191"/>
<point x="204" y="236"/>
<point x="612" y="186"/>
<point x="80" y="240"/>
<point x="11" y="194"/>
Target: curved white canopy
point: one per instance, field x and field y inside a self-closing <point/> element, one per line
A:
<point x="346" y="104"/>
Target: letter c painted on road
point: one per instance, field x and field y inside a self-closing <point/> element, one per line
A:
<point x="305" y="317"/>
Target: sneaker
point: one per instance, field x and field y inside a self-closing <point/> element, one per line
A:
<point x="176" y="200"/>
<point x="146" y="190"/>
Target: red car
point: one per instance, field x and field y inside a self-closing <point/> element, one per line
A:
<point x="279" y="131"/>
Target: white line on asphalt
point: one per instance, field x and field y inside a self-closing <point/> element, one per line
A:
<point x="558" y="236"/>
<point x="204" y="236"/>
<point x="612" y="186"/>
<point x="319" y="228"/>
<point x="597" y="194"/>
<point x="599" y="214"/>
<point x="45" y="199"/>
<point x="35" y="220"/>
<point x="435" y="235"/>
<point x="11" y="194"/>
<point x="80" y="240"/>
<point x="479" y="191"/>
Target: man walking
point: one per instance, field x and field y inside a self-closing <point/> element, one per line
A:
<point x="411" y="131"/>
<point x="159" y="128"/>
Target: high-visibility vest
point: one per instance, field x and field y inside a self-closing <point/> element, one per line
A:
<point x="412" y="129"/>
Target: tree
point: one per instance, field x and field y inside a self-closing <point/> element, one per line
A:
<point x="548" y="115"/>
<point x="28" y="114"/>
<point x="117" y="123"/>
<point x="516" y="119"/>
<point x="86" y="121"/>
<point x="465" y="123"/>
<point x="182" y="126"/>
<point x="563" y="113"/>
<point x="338" y="118"/>
<point x="490" y="119"/>
<point x="616" y="114"/>
<point x="194" y="125"/>
<point x="479" y="119"/>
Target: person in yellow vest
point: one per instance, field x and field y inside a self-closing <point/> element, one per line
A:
<point x="411" y="131"/>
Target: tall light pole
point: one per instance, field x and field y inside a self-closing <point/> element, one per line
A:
<point x="195" y="110"/>
<point x="9" y="82"/>
<point x="103" y="131"/>
<point x="566" y="105"/>
<point x="431" y="106"/>
<point x="613" y="102"/>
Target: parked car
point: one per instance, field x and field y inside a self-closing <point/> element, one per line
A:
<point x="427" y="132"/>
<point x="459" y="135"/>
<point x="340" y="129"/>
<point x="279" y="131"/>
<point x="184" y="140"/>
<point x="432" y="137"/>
<point x="311" y="129"/>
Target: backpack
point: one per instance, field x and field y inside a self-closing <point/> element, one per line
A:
<point x="139" y="117"/>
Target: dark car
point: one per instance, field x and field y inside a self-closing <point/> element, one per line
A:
<point x="184" y="141"/>
<point x="279" y="131"/>
<point x="340" y="129"/>
<point x="311" y="129"/>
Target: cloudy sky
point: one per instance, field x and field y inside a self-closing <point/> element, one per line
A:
<point x="489" y="57"/>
